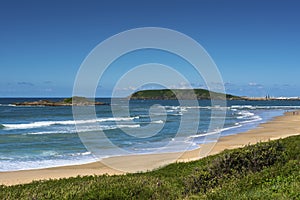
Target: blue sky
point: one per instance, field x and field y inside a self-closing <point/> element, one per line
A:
<point x="255" y="44"/>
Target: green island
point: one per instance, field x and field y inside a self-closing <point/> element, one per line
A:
<point x="168" y="94"/>
<point x="269" y="170"/>
<point x="200" y="94"/>
<point x="72" y="101"/>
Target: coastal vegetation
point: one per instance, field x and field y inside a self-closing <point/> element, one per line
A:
<point x="168" y="94"/>
<point x="200" y="94"/>
<point x="72" y="101"/>
<point x="268" y="170"/>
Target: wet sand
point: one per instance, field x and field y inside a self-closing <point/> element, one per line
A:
<point x="279" y="127"/>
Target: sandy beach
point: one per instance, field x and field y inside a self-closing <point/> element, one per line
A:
<point x="279" y="127"/>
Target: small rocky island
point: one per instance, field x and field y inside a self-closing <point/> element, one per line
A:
<point x="72" y="101"/>
<point x="168" y="94"/>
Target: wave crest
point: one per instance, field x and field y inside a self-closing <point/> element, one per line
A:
<point x="66" y="122"/>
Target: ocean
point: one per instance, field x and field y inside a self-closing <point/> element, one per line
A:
<point x="40" y="137"/>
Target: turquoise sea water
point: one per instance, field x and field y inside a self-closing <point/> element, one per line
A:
<point x="40" y="137"/>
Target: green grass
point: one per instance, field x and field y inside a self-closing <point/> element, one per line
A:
<point x="75" y="99"/>
<point x="268" y="170"/>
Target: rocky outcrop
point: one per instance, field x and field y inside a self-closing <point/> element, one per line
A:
<point x="73" y="101"/>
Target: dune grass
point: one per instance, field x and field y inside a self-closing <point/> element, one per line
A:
<point x="269" y="170"/>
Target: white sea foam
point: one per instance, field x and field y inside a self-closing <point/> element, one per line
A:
<point x="248" y="117"/>
<point x="128" y="126"/>
<point x="62" y="160"/>
<point x="244" y="114"/>
<point x="215" y="132"/>
<point x="241" y="107"/>
<point x="172" y="107"/>
<point x="254" y="119"/>
<point x="83" y="129"/>
<point x="66" y="122"/>
<point x="116" y="119"/>
<point x="29" y="125"/>
<point x="47" y="132"/>
<point x="158" y="122"/>
<point x="81" y="154"/>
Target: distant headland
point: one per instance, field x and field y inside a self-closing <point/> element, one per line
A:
<point x="72" y="101"/>
<point x="200" y="94"/>
<point x="168" y="94"/>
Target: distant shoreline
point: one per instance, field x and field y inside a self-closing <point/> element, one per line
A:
<point x="72" y="101"/>
<point x="271" y="98"/>
<point x="242" y="98"/>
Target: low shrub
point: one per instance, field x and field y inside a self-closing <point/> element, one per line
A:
<point x="250" y="159"/>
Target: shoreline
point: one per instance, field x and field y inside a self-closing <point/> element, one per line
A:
<point x="278" y="127"/>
